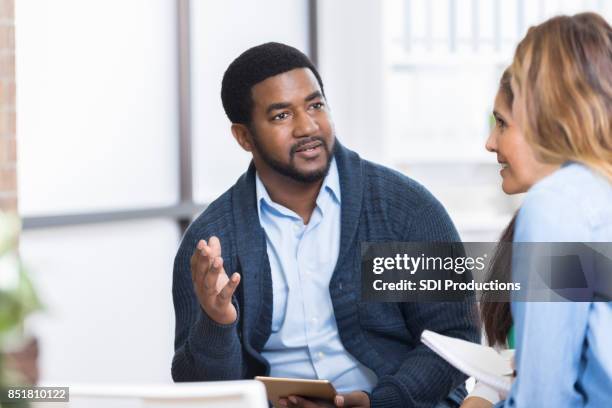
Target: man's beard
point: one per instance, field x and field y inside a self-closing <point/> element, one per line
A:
<point x="289" y="170"/>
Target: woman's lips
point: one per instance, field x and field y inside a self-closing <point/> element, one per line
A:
<point x="504" y="166"/>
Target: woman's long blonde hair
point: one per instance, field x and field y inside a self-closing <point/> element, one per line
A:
<point x="563" y="71"/>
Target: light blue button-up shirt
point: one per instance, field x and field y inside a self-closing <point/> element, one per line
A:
<point x="564" y="349"/>
<point x="304" y="342"/>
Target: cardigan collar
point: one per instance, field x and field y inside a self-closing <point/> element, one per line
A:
<point x="251" y="242"/>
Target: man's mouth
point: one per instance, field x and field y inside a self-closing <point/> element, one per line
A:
<point x="309" y="146"/>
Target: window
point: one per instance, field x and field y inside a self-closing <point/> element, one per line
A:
<point x="411" y="84"/>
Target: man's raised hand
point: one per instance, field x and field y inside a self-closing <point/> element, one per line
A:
<point x="212" y="286"/>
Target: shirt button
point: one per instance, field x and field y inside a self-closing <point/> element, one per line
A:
<point x="320" y="355"/>
<point x="297" y="228"/>
<point x="314" y="320"/>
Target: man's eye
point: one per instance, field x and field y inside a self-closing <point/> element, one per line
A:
<point x="280" y="116"/>
<point x="317" y="105"/>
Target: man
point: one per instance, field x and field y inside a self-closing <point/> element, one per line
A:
<point x="291" y="229"/>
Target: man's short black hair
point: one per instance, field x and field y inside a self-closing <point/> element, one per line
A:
<point x="253" y="66"/>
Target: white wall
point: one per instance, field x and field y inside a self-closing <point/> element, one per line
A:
<point x="351" y="63"/>
<point x="220" y="32"/>
<point x="97" y="104"/>
<point x="97" y="130"/>
<point x="106" y="290"/>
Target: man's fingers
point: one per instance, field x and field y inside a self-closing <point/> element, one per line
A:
<point x="197" y="260"/>
<point x="225" y="296"/>
<point x="205" y="254"/>
<point x="200" y="253"/>
<point x="352" y="399"/>
<point x="215" y="245"/>
<point x="295" y="401"/>
<point x="201" y="244"/>
<point x="212" y="277"/>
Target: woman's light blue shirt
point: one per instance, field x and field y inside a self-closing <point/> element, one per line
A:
<point x="564" y="350"/>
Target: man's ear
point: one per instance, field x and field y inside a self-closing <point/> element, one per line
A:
<point x="243" y="136"/>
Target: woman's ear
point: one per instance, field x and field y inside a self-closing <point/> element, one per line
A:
<point x="242" y="135"/>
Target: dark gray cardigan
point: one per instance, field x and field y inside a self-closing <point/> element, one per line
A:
<point x="378" y="205"/>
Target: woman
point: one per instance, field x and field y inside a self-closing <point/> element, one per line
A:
<point x="520" y="170"/>
<point x="562" y="84"/>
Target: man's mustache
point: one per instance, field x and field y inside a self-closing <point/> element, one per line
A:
<point x="303" y="142"/>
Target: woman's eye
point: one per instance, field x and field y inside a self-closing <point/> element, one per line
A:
<point x="500" y="123"/>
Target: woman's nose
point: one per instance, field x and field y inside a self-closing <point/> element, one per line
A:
<point x="491" y="143"/>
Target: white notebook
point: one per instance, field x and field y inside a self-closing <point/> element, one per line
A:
<point x="483" y="363"/>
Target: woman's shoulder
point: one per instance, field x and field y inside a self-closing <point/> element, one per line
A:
<point x="574" y="184"/>
<point x="573" y="178"/>
<point x="574" y="199"/>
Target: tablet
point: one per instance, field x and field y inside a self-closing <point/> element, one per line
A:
<point x="277" y="387"/>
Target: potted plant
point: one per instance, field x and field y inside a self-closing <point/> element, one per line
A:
<point x="17" y="301"/>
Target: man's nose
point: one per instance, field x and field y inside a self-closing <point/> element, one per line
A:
<point x="305" y="125"/>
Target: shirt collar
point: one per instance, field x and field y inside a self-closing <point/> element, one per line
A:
<point x="332" y="181"/>
<point x="331" y="184"/>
